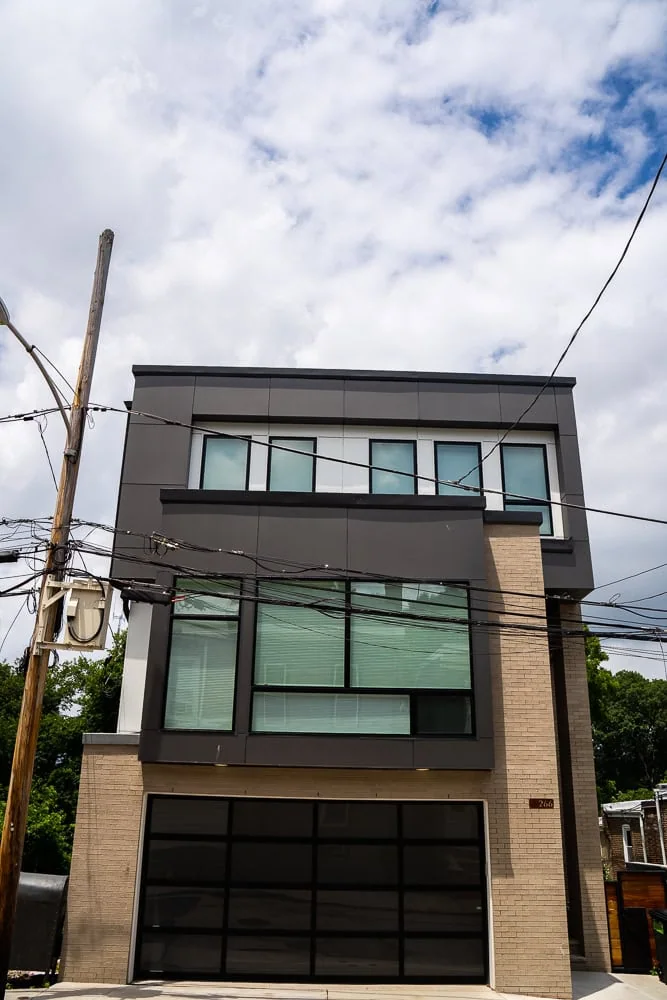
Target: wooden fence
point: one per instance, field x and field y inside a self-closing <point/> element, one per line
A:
<point x="631" y="937"/>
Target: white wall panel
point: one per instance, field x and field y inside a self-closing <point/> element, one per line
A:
<point x="352" y="444"/>
<point x="134" y="669"/>
<point x="329" y="474"/>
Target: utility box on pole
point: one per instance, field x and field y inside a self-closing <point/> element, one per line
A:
<point x="85" y="616"/>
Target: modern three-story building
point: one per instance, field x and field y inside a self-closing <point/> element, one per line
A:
<point x="354" y="741"/>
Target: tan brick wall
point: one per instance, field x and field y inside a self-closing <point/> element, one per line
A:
<point x="529" y="932"/>
<point x="593" y="905"/>
<point x="104" y="866"/>
<point x="530" y="926"/>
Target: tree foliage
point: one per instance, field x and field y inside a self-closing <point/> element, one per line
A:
<point x="82" y="696"/>
<point x="629" y="716"/>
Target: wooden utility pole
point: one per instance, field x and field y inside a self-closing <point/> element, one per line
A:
<point x="16" y="812"/>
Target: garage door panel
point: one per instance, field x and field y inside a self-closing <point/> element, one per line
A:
<point x="194" y="954"/>
<point x="265" y="861"/>
<point x="253" y="818"/>
<point x="170" y="907"/>
<point x="356" y="909"/>
<point x="358" y="820"/>
<point x="351" y="957"/>
<point x="357" y="864"/>
<point x="268" y="956"/>
<point x="452" y="911"/>
<point x="440" y="821"/>
<point x="451" y="864"/>
<point x="463" y="958"/>
<point x="187" y="861"/>
<point x="270" y="909"/>
<point x="189" y="815"/>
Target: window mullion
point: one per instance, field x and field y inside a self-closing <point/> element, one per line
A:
<point x="348" y="645"/>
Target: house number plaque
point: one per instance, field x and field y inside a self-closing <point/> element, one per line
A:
<point x="540" y="803"/>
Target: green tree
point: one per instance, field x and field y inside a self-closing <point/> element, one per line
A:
<point x="629" y="717"/>
<point x="81" y="695"/>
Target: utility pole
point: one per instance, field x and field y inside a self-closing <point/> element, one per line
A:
<point x="16" y="812"/>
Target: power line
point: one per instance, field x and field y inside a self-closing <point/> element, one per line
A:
<point x="12" y="624"/>
<point x="379" y="468"/>
<point x="640" y="633"/>
<point x="581" y="324"/>
<point x="632" y="576"/>
<point x="30" y="414"/>
<point x="16" y="586"/>
<point x="176" y="543"/>
<point x="46" y="451"/>
<point x="56" y="369"/>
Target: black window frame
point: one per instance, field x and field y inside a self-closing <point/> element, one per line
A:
<point x="511" y="502"/>
<point x="207" y="438"/>
<point x="400" y="887"/>
<point x="412" y="693"/>
<point x="174" y="617"/>
<point x="410" y="441"/>
<point x="286" y="438"/>
<point x="477" y="490"/>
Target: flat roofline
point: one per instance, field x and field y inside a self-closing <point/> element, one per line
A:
<point x="352" y="375"/>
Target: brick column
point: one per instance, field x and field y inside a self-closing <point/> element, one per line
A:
<point x="98" y="929"/>
<point x="528" y="887"/>
<point x="596" y="938"/>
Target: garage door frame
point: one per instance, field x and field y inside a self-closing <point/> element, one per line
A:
<point x="401" y="934"/>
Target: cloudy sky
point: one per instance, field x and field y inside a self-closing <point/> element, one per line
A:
<point x="393" y="183"/>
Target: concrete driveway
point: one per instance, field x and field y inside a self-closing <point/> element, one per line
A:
<point x="596" y="985"/>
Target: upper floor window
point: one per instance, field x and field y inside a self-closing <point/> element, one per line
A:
<point x="335" y="657"/>
<point x="627" y="842"/>
<point x="202" y="655"/>
<point x="456" y="460"/>
<point x="525" y="474"/>
<point x="225" y="463"/>
<point x="397" y="466"/>
<point x="292" y="464"/>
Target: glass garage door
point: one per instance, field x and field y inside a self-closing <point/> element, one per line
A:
<point x="272" y="889"/>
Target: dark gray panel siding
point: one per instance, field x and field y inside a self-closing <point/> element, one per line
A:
<point x="514" y="400"/>
<point x="466" y="405"/>
<point x="172" y="399"/>
<point x="294" y="397"/>
<point x="157" y="454"/>
<point x="401" y="544"/>
<point x="229" y="396"/>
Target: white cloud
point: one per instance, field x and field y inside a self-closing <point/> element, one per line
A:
<point x="392" y="184"/>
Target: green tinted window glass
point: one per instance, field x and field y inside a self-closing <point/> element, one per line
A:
<point x="398" y="456"/>
<point x="405" y="653"/>
<point x="524" y="470"/>
<point x="288" y="471"/>
<point x="225" y="464"/>
<point x="300" y="645"/>
<point x="297" y="712"/>
<point x="455" y="461"/>
<point x="202" y="667"/>
<point x="206" y="597"/>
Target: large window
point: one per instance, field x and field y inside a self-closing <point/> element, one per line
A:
<point x="292" y="470"/>
<point x="334" y="657"/>
<point x="225" y="464"/>
<point x="397" y="466"/>
<point x="456" y="460"/>
<point x="202" y="655"/>
<point x="525" y="474"/>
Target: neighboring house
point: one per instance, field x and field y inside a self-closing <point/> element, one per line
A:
<point x="631" y="832"/>
<point x="348" y="747"/>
